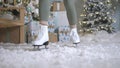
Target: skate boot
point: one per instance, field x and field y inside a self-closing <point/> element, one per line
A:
<point x="74" y="36"/>
<point x="42" y="37"/>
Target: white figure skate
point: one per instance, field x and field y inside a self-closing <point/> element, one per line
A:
<point x="42" y="37"/>
<point x="74" y="36"/>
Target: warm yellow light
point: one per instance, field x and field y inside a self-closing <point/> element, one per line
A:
<point x="101" y="3"/>
<point x="96" y="12"/>
<point x="108" y="1"/>
<point x="88" y="29"/>
<point x="84" y="22"/>
<point x="108" y="12"/>
<point x="82" y="15"/>
<point x="80" y="30"/>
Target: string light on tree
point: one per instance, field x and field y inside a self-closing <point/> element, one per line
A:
<point x="97" y="16"/>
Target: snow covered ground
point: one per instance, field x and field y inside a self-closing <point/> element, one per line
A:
<point x="100" y="50"/>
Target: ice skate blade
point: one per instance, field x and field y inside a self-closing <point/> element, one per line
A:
<point x="76" y="43"/>
<point x="44" y="44"/>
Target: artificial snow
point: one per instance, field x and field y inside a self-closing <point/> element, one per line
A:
<point x="97" y="50"/>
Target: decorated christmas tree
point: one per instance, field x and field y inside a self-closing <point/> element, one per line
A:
<point x="97" y="15"/>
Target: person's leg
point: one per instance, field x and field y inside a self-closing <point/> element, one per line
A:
<point x="71" y="12"/>
<point x="72" y="18"/>
<point x="44" y="10"/>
